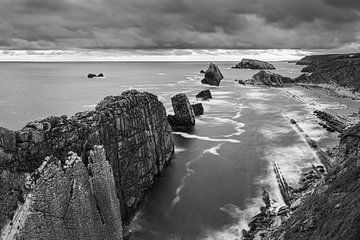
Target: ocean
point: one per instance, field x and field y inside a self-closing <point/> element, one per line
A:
<point x="213" y="186"/>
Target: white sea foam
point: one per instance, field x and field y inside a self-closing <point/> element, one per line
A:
<point x="213" y="150"/>
<point x="89" y="106"/>
<point x="189" y="171"/>
<point x="187" y="135"/>
<point x="177" y="149"/>
<point x="161" y="74"/>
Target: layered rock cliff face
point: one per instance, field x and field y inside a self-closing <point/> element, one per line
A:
<point x="136" y="142"/>
<point x="341" y="69"/>
<point x="213" y="75"/>
<point x="254" y="64"/>
<point x="269" y="79"/>
<point x="332" y="210"/>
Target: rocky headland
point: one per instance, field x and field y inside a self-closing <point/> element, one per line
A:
<point x="339" y="70"/>
<point x="269" y="79"/>
<point x="82" y="177"/>
<point x="253" y="64"/>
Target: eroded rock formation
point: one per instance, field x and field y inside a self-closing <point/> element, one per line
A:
<point x="269" y="79"/>
<point x="204" y="95"/>
<point x="137" y="144"/>
<point x="253" y="64"/>
<point x="340" y="69"/>
<point x="184" y="113"/>
<point x="213" y="75"/>
<point x="198" y="109"/>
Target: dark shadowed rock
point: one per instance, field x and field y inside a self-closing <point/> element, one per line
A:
<point x="269" y="79"/>
<point x="198" y="109"/>
<point x="254" y="64"/>
<point x="202" y="71"/>
<point x="213" y="75"/>
<point x="242" y="82"/>
<point x="184" y="114"/>
<point x="100" y="75"/>
<point x="91" y="75"/>
<point x="204" y="95"/>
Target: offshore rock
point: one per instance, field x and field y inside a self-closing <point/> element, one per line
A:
<point x="254" y="64"/>
<point x="213" y="75"/>
<point x="132" y="128"/>
<point x="198" y="109"/>
<point x="269" y="79"/>
<point x="184" y="114"/>
<point x="204" y="95"/>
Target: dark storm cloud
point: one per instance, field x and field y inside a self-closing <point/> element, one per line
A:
<point x="181" y="24"/>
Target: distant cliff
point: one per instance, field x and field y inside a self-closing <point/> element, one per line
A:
<point x="84" y="176"/>
<point x="332" y="211"/>
<point x="340" y="69"/>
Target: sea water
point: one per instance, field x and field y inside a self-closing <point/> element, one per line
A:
<point x="213" y="186"/>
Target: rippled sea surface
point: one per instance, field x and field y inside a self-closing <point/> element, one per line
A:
<point x="213" y="186"/>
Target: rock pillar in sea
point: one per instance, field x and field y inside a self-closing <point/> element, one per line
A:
<point x="136" y="142"/>
<point x="184" y="113"/>
<point x="213" y="75"/>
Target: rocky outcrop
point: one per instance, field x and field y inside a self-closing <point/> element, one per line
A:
<point x="331" y="121"/>
<point x="331" y="210"/>
<point x="69" y="201"/>
<point x="213" y="75"/>
<point x="204" y="95"/>
<point x="184" y="114"/>
<point x="339" y="69"/>
<point x="269" y="79"/>
<point x="198" y="109"/>
<point x="93" y="75"/>
<point x="253" y="64"/>
<point x="136" y="137"/>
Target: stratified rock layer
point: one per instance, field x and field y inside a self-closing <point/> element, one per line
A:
<point x="133" y="130"/>
<point x="213" y="75"/>
<point x="269" y="79"/>
<point x="332" y="210"/>
<point x="340" y="69"/>
<point x="184" y="114"/>
<point x="254" y="64"/>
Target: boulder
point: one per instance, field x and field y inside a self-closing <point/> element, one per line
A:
<point x="270" y="79"/>
<point x="213" y="75"/>
<point x="204" y="95"/>
<point x="184" y="114"/>
<point x="198" y="109"/>
<point x="242" y="82"/>
<point x="253" y="64"/>
<point x="202" y="71"/>
<point x="91" y="75"/>
<point x="100" y="75"/>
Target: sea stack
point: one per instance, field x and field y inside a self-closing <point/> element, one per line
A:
<point x="270" y="79"/>
<point x="184" y="114"/>
<point x="213" y="75"/>
<point x="254" y="64"/>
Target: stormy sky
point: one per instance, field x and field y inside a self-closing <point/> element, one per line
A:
<point x="179" y="24"/>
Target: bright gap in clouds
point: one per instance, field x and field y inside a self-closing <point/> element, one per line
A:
<point x="151" y="55"/>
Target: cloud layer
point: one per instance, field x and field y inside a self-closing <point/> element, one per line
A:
<point x="179" y="24"/>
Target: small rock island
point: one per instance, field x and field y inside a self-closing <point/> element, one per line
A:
<point x="253" y="64"/>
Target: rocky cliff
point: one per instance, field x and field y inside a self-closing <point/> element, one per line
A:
<point x="254" y="64"/>
<point x="116" y="152"/>
<point x="332" y="209"/>
<point x="340" y="69"/>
